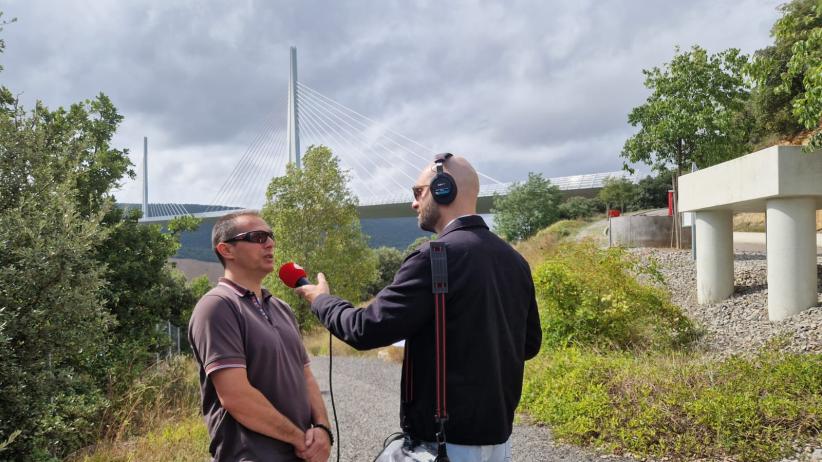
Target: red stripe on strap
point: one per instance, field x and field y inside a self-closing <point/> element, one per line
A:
<point x="444" y="355"/>
<point x="437" y="333"/>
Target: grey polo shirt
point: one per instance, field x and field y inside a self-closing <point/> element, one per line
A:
<point x="231" y="328"/>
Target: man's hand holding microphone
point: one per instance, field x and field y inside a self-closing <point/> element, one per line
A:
<point x="294" y="276"/>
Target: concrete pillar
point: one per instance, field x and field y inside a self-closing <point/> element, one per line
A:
<point x="791" y="239"/>
<point x="714" y="255"/>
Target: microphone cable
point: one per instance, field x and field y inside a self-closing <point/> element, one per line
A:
<point x="331" y="392"/>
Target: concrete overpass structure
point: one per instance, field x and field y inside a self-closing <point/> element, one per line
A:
<point x="786" y="184"/>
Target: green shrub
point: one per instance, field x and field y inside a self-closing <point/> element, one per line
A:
<point x="590" y="296"/>
<point x="677" y="405"/>
<point x="580" y="207"/>
<point x="389" y="260"/>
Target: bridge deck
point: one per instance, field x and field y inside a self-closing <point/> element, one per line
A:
<point x="399" y="205"/>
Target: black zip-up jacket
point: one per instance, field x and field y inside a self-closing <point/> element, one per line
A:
<point x="492" y="328"/>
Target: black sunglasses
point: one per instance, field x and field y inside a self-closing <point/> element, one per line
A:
<point x="258" y="237"/>
<point x="417" y="191"/>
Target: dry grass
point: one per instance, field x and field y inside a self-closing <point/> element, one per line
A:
<point x="755" y="222"/>
<point x="183" y="440"/>
<point x="316" y="342"/>
<point x="536" y="248"/>
<point x="749" y="222"/>
<point x="156" y="419"/>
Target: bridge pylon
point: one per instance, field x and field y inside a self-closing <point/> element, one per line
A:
<point x="293" y="124"/>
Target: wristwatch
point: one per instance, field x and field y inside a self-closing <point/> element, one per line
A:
<point x="327" y="431"/>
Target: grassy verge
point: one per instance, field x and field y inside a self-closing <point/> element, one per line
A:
<point x="156" y="418"/>
<point x="617" y="371"/>
<point x="184" y="440"/>
<point x="678" y="405"/>
<point x="537" y="247"/>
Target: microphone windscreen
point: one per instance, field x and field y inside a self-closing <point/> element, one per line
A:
<point x="290" y="274"/>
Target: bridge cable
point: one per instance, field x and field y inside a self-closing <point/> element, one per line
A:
<point x="231" y="194"/>
<point x="345" y="108"/>
<point x="237" y="189"/>
<point x="334" y="112"/>
<point x="263" y="171"/>
<point x="346" y="111"/>
<point x="231" y="178"/>
<point x="350" y="155"/>
<point x="313" y="131"/>
<point x="222" y="192"/>
<point x="371" y="171"/>
<point x="366" y="143"/>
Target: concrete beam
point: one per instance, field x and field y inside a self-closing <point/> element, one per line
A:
<point x="746" y="183"/>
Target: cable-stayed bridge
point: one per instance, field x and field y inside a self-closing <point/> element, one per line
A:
<point x="381" y="163"/>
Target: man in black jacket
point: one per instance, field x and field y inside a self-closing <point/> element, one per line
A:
<point x="491" y="317"/>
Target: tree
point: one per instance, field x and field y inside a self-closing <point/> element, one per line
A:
<point x="142" y="288"/>
<point x="314" y="218"/>
<point x="53" y="321"/>
<point x="788" y="75"/>
<point x="618" y="191"/>
<point x="389" y="260"/>
<point x="652" y="191"/>
<point x="418" y="242"/>
<point x="694" y="115"/>
<point x="527" y="208"/>
<point x="73" y="270"/>
<point x="577" y="207"/>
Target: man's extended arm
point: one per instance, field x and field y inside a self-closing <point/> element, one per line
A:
<point x="250" y="408"/>
<point x="397" y="311"/>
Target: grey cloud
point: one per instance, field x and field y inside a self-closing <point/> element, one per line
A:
<point x="550" y="81"/>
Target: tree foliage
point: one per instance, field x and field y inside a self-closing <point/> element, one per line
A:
<point x="652" y="191"/>
<point x="788" y="74"/>
<point x="694" y="114"/>
<point x="577" y="207"/>
<point x="314" y="218"/>
<point x="389" y="260"/>
<point x="620" y="192"/>
<point x="527" y="208"/>
<point x="81" y="283"/>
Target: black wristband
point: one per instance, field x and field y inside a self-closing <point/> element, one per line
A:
<point x="327" y="431"/>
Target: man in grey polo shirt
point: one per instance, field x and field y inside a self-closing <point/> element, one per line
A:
<point x="260" y="399"/>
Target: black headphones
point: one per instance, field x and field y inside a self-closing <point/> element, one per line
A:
<point x="443" y="187"/>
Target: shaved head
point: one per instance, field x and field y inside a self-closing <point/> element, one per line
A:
<point x="433" y="216"/>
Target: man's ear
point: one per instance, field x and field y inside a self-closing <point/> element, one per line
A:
<point x="225" y="250"/>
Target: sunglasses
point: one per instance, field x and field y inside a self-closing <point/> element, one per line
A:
<point x="417" y="191"/>
<point x="258" y="237"/>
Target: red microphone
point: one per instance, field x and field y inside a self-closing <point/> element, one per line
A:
<point x="293" y="275"/>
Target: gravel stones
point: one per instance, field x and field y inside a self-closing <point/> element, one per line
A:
<point x="738" y="325"/>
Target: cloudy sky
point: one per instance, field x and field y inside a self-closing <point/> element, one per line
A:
<point x="515" y="86"/>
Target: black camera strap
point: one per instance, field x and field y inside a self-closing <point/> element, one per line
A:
<point x="439" y="286"/>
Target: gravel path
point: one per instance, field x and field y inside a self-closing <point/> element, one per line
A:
<point x="366" y="392"/>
